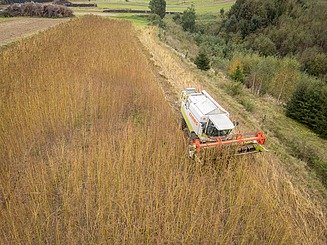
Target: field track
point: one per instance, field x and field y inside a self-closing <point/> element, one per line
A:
<point x="176" y="74"/>
<point x="16" y="28"/>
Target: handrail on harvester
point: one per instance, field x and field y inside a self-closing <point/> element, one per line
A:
<point x="260" y="138"/>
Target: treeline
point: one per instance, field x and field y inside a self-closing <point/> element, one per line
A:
<point x="283" y="28"/>
<point x="275" y="47"/>
<point x="266" y="75"/>
<point x="305" y="95"/>
<point x="295" y="30"/>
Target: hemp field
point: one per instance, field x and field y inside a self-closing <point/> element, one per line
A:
<point x="91" y="152"/>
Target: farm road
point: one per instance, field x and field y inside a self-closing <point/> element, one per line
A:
<point x="16" y="28"/>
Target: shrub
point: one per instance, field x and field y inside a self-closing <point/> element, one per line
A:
<point x="219" y="63"/>
<point x="238" y="75"/>
<point x="247" y="104"/>
<point x="222" y="12"/>
<point x="156" y="20"/>
<point x="177" y="18"/>
<point x="234" y="89"/>
<point x="202" y="61"/>
<point x="234" y="63"/>
<point x="38" y="9"/>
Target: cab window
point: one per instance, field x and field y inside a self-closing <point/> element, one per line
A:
<point x="212" y="131"/>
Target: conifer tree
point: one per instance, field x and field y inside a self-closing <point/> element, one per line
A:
<point x="202" y="61"/>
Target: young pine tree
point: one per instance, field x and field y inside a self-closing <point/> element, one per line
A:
<point x="202" y="61"/>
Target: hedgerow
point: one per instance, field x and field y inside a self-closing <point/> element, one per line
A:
<point x="37" y="10"/>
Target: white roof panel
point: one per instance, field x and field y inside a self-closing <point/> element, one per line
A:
<point x="221" y="121"/>
<point x="203" y="104"/>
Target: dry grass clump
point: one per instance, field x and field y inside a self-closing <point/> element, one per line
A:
<point x="37" y="10"/>
<point x="92" y="153"/>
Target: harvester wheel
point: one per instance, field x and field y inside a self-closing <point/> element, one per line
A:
<point x="193" y="136"/>
<point x="183" y="123"/>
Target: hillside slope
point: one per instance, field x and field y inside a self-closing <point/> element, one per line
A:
<point x="275" y="82"/>
<point x="177" y="73"/>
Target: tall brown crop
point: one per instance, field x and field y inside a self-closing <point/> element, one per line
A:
<point x="91" y="152"/>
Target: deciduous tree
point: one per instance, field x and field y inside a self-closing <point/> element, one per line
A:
<point x="158" y="7"/>
<point x="188" y="19"/>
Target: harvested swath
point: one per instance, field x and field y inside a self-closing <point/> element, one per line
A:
<point x="92" y="153"/>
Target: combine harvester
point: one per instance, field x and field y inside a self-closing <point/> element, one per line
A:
<point x="209" y="126"/>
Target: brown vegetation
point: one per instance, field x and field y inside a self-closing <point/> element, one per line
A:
<point x="91" y="152"/>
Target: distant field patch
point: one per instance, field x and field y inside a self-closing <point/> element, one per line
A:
<point x="138" y="20"/>
<point x="13" y="28"/>
<point x="204" y="6"/>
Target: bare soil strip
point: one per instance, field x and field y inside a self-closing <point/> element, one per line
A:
<point x="21" y="27"/>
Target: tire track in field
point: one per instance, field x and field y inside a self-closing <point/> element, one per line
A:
<point x="175" y="73"/>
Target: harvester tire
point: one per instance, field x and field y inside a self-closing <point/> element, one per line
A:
<point x="193" y="136"/>
<point x="183" y="124"/>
